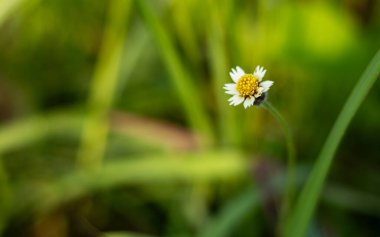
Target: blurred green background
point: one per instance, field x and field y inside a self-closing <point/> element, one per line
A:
<point x="114" y="121"/>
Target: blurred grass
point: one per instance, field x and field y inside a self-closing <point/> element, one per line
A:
<point x="299" y="221"/>
<point x="7" y="7"/>
<point x="4" y="196"/>
<point x="220" y="67"/>
<point x="124" y="234"/>
<point x="348" y="198"/>
<point x="185" y="30"/>
<point x="24" y="132"/>
<point x="162" y="169"/>
<point x="189" y="95"/>
<point x="105" y="80"/>
<point x="288" y="197"/>
<point x="158" y="175"/>
<point x="232" y="214"/>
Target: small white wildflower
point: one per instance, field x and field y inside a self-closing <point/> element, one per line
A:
<point x="247" y="88"/>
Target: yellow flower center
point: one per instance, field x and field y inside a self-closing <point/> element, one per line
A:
<point x="247" y="85"/>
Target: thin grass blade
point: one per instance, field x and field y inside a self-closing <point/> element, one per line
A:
<point x="94" y="137"/>
<point x="233" y="212"/>
<point x="307" y="202"/>
<point x="189" y="95"/>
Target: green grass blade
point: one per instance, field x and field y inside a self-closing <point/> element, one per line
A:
<point x="21" y="133"/>
<point x="220" y="75"/>
<point x="27" y="131"/>
<point x="183" y="16"/>
<point x="304" y="209"/>
<point x="188" y="93"/>
<point x="231" y="214"/>
<point x="105" y="81"/>
<point x="154" y="169"/>
<point x="7" y="7"/>
<point x="134" y="49"/>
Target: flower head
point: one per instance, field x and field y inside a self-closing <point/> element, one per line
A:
<point x="248" y="89"/>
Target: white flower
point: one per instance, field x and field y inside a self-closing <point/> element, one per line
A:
<point x="247" y="87"/>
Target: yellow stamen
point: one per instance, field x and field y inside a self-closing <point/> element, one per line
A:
<point x="247" y="85"/>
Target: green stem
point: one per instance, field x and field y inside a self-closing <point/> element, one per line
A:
<point x="103" y="87"/>
<point x="217" y="52"/>
<point x="291" y="163"/>
<point x="181" y="78"/>
<point x="303" y="211"/>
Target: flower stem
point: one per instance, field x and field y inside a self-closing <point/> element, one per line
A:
<point x="291" y="163"/>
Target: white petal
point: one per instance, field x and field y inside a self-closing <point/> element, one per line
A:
<point x="249" y="102"/>
<point x="266" y="85"/>
<point x="259" y="72"/>
<point x="229" y="86"/>
<point x="231" y="89"/>
<point x="232" y="92"/>
<point x="235" y="100"/>
<point x="239" y="72"/>
<point x="239" y="101"/>
<point x="234" y="76"/>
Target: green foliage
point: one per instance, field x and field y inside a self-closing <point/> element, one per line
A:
<point x="312" y="190"/>
<point x="114" y="122"/>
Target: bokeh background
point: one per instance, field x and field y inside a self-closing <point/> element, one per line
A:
<point x="113" y="120"/>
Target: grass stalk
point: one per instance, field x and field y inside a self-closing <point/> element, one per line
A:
<point x="188" y="168"/>
<point x="181" y="79"/>
<point x="219" y="71"/>
<point x="138" y="40"/>
<point x="28" y="131"/>
<point x="233" y="212"/>
<point x="307" y="202"/>
<point x="184" y="26"/>
<point x="24" y="132"/>
<point x="105" y="81"/>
